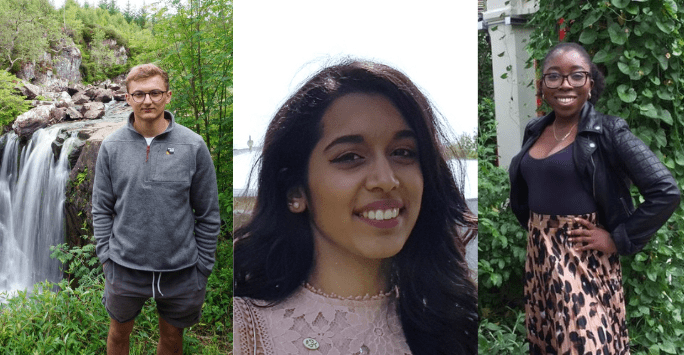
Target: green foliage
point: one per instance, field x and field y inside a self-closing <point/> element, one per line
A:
<point x="501" y="238"/>
<point x="504" y="337"/>
<point x="68" y="319"/>
<point x="11" y="105"/>
<point x="197" y="47"/>
<point x="639" y="45"/>
<point x="26" y="29"/>
<point x="82" y="176"/>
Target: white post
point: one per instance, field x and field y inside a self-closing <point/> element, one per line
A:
<point x="514" y="87"/>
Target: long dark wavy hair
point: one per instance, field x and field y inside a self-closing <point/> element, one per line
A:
<point x="274" y="252"/>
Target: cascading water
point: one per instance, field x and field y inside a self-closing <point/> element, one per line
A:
<point x="32" y="187"/>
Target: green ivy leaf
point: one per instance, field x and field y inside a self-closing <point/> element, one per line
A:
<point x="666" y="117"/>
<point x="588" y="36"/>
<point x="633" y="9"/>
<point x="626" y="93"/>
<point x="665" y="94"/>
<point x="603" y="55"/>
<point x="649" y="111"/>
<point x="666" y="26"/>
<point x="592" y="17"/>
<point x="648" y="93"/>
<point x="617" y="34"/>
<point x="620" y="4"/>
<point x="663" y="61"/>
<point x="504" y="75"/>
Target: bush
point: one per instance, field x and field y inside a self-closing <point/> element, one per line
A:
<point x="11" y="104"/>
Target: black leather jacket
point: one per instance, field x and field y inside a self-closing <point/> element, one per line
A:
<point x="609" y="158"/>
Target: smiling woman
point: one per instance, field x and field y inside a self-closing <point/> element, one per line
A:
<point x="570" y="187"/>
<point x="354" y="245"/>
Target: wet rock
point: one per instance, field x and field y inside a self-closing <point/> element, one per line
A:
<point x="32" y="120"/>
<point x="3" y="142"/>
<point x="58" y="143"/>
<point x="78" y="206"/>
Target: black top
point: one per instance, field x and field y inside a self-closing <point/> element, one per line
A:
<point x="554" y="187"/>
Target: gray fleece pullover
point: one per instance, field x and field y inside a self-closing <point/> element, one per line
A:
<point x="157" y="209"/>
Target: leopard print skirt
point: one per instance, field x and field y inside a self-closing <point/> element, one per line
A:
<point x="574" y="302"/>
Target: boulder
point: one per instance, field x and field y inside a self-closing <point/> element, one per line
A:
<point x="103" y="95"/>
<point x="63" y="99"/>
<point x="29" y="90"/>
<point x="74" y="88"/>
<point x="73" y="114"/>
<point x="80" y="98"/>
<point x="57" y="114"/>
<point x="120" y="96"/>
<point x="32" y="120"/>
<point x="93" y="110"/>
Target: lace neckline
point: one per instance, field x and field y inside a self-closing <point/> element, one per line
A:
<point x="394" y="292"/>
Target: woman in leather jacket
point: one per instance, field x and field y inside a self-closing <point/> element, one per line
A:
<point x="570" y="189"/>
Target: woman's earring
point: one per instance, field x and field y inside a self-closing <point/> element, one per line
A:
<point x="296" y="206"/>
<point x="589" y="95"/>
<point x="543" y="98"/>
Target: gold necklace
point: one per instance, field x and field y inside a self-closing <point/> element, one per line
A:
<point x="566" y="136"/>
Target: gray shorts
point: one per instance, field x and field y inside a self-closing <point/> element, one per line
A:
<point x="179" y="294"/>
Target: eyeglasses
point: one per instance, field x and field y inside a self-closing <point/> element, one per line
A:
<point x="155" y="95"/>
<point x="576" y="79"/>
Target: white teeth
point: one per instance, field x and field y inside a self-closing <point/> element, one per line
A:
<point x="380" y="215"/>
<point x="566" y="99"/>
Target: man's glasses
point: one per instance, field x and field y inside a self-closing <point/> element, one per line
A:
<point x="155" y="95"/>
<point x="576" y="79"/>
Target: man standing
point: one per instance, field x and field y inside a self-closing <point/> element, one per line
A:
<point x="155" y="216"/>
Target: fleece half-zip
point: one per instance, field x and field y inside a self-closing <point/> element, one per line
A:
<point x="158" y="212"/>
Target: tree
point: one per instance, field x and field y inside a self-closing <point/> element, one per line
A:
<point x="128" y="13"/>
<point x="198" y="53"/>
<point x="26" y="29"/>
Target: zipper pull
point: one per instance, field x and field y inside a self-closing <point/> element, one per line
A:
<point x="147" y="155"/>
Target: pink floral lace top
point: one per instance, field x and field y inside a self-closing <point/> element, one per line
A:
<point x="312" y="323"/>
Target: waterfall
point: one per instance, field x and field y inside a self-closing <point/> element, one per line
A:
<point x="32" y="187"/>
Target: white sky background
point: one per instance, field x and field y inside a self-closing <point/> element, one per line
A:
<point x="278" y="44"/>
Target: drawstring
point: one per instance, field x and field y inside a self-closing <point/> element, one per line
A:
<point x="158" y="281"/>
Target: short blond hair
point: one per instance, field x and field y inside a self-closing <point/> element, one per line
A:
<point x="144" y="71"/>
